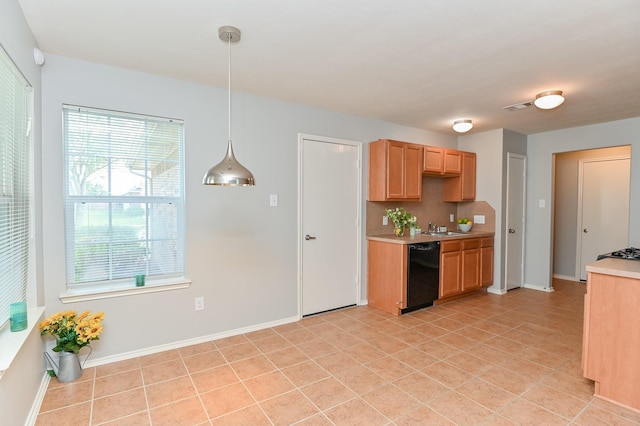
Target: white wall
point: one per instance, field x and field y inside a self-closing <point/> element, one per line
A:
<point x="21" y="381"/>
<point x="540" y="150"/>
<point x="240" y="254"/>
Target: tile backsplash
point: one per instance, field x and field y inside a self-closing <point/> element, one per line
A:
<point x="431" y="207"/>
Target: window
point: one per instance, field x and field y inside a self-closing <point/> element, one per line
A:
<point x="16" y="100"/>
<point x="124" y="198"/>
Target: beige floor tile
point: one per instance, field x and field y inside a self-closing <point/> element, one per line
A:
<point x="578" y="387"/>
<point x="523" y="412"/>
<point x="390" y="368"/>
<point x="364" y="353"/>
<point x="356" y="412"/>
<point x="593" y="415"/>
<point x="169" y="391"/>
<point x="67" y="394"/>
<point x="305" y="373"/>
<point x="421" y="387"/>
<point x="422" y="416"/>
<point x="624" y="412"/>
<point x="327" y="393"/>
<point x="186" y="412"/>
<point x="336" y="362"/>
<point x="138" y="419"/>
<point x="389" y="345"/>
<point x="316" y="420"/>
<point x="203" y="361"/>
<point x="287" y="357"/>
<point x="160" y="357"/>
<point x="317" y="348"/>
<point x="214" y="378"/>
<point x="196" y="349"/>
<point x="117" y="383"/>
<point x="119" y="405"/>
<point x="239" y="352"/>
<point x="163" y="371"/>
<point x="289" y="408"/>
<point x="225" y="400"/>
<point x="234" y="340"/>
<point x="555" y="401"/>
<point x="508" y="380"/>
<point x="252" y="367"/>
<point x="486" y="394"/>
<point x="438" y="349"/>
<point x="391" y="401"/>
<point x="80" y="413"/>
<point x="459" y="409"/>
<point x="252" y="415"/>
<point x="360" y="379"/>
<point x="414" y="358"/>
<point x="271" y="343"/>
<point x="447" y="374"/>
<point x="468" y="362"/>
<point x="299" y="335"/>
<point x="118" y="367"/>
<point x="260" y="334"/>
<point x="268" y="385"/>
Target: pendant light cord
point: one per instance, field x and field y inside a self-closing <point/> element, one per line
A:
<point x="229" y="83"/>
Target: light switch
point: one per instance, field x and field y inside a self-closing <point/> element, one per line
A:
<point x="478" y="219"/>
<point x="541" y="203"/>
<point x="273" y="200"/>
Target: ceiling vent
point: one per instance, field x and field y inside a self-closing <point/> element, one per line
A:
<point x="519" y="106"/>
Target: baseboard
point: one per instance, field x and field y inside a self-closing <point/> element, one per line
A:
<point x="539" y="288"/>
<point x="565" y="278"/>
<point x="496" y="290"/>
<point x="37" y="401"/>
<point x="363" y="302"/>
<point x="188" y="342"/>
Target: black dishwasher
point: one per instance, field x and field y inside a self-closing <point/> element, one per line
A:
<point x="423" y="275"/>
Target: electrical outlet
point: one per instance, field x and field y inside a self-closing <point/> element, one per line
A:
<point x="199" y="303"/>
<point x="478" y="219"/>
<point x="273" y="200"/>
<point x="385" y="220"/>
<point x="451" y="218"/>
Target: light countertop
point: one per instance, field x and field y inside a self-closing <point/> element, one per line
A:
<point x="616" y="267"/>
<point x="425" y="238"/>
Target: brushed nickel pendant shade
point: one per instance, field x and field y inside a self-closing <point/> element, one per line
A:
<point x="229" y="172"/>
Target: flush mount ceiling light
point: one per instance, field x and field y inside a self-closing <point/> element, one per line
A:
<point x="229" y="172"/>
<point x="462" y="126"/>
<point x="549" y="99"/>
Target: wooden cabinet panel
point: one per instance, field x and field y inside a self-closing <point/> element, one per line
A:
<point x="486" y="262"/>
<point x="441" y="161"/>
<point x="465" y="265"/>
<point x="463" y="187"/>
<point x="395" y="171"/>
<point x="387" y="276"/>
<point x="450" y="269"/>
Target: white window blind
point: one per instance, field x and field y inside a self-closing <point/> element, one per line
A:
<point x="16" y="100"/>
<point x="124" y="198"/>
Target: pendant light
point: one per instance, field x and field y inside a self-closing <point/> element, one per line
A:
<point x="229" y="172"/>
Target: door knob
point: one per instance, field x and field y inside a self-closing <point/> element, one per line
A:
<point x="512" y="231"/>
<point x="309" y="237"/>
<point x="585" y="231"/>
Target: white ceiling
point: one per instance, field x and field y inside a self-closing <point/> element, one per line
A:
<point x="420" y="63"/>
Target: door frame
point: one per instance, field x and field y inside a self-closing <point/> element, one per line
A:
<point x="579" y="227"/>
<point x="506" y="225"/>
<point x="302" y="137"/>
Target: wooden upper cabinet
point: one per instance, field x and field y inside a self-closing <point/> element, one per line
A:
<point x="441" y="161"/>
<point x="463" y="187"/>
<point x="395" y="171"/>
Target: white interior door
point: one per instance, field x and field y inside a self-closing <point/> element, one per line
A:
<point x="330" y="223"/>
<point x="603" y="213"/>
<point x="514" y="245"/>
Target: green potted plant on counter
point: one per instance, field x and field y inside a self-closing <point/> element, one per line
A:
<point x="400" y="219"/>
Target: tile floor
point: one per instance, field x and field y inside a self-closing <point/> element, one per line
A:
<point x="485" y="359"/>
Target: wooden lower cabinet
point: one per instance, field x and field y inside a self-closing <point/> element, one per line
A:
<point x="465" y="265"/>
<point x="387" y="276"/>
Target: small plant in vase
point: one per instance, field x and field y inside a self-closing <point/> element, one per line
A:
<point x="401" y="219"/>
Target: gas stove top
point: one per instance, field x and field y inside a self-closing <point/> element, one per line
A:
<point x="630" y="253"/>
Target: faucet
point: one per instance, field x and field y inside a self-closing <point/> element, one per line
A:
<point x="433" y="227"/>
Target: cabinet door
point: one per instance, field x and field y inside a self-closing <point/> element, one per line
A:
<point x="463" y="187"/>
<point x="452" y="162"/>
<point x="433" y="162"/>
<point x="395" y="170"/>
<point x="468" y="175"/>
<point x="450" y="267"/>
<point x="486" y="266"/>
<point x="470" y="269"/>
<point x="413" y="172"/>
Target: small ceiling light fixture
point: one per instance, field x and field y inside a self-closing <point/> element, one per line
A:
<point x="462" y="126"/>
<point x="229" y="172"/>
<point x="549" y="99"/>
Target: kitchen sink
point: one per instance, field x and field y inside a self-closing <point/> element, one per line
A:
<point x="445" y="234"/>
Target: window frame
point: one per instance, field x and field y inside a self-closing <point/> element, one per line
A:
<point x="121" y="286"/>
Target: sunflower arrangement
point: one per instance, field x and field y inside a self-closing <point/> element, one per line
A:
<point x="72" y="331"/>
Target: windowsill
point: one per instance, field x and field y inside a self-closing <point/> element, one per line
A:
<point x="12" y="341"/>
<point x="72" y="296"/>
